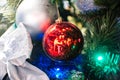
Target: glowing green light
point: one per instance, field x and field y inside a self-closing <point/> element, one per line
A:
<point x="100" y="58"/>
<point x="73" y="47"/>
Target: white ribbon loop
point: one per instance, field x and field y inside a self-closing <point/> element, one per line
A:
<point x="15" y="48"/>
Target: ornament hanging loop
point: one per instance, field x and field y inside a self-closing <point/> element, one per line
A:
<point x="59" y="20"/>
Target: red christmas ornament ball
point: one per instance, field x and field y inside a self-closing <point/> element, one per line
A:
<point x="63" y="41"/>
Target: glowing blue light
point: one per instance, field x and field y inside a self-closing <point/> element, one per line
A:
<point x="59" y="75"/>
<point x="58" y="69"/>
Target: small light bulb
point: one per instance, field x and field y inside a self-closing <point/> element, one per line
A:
<point x="100" y="58"/>
<point x="58" y="69"/>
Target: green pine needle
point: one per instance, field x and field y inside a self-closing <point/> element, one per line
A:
<point x="103" y="31"/>
<point x="104" y="68"/>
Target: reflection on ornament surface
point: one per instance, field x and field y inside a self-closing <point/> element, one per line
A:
<point x="63" y="41"/>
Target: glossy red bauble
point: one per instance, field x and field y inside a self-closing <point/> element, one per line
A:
<point x="63" y="41"/>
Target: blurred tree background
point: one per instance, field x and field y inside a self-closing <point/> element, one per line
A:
<point x="8" y="9"/>
<point x="7" y="13"/>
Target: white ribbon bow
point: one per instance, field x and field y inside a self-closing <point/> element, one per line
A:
<point x="15" y="48"/>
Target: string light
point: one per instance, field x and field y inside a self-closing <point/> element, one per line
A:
<point x="100" y="58"/>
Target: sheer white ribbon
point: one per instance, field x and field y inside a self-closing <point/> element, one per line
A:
<point x="15" y="48"/>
